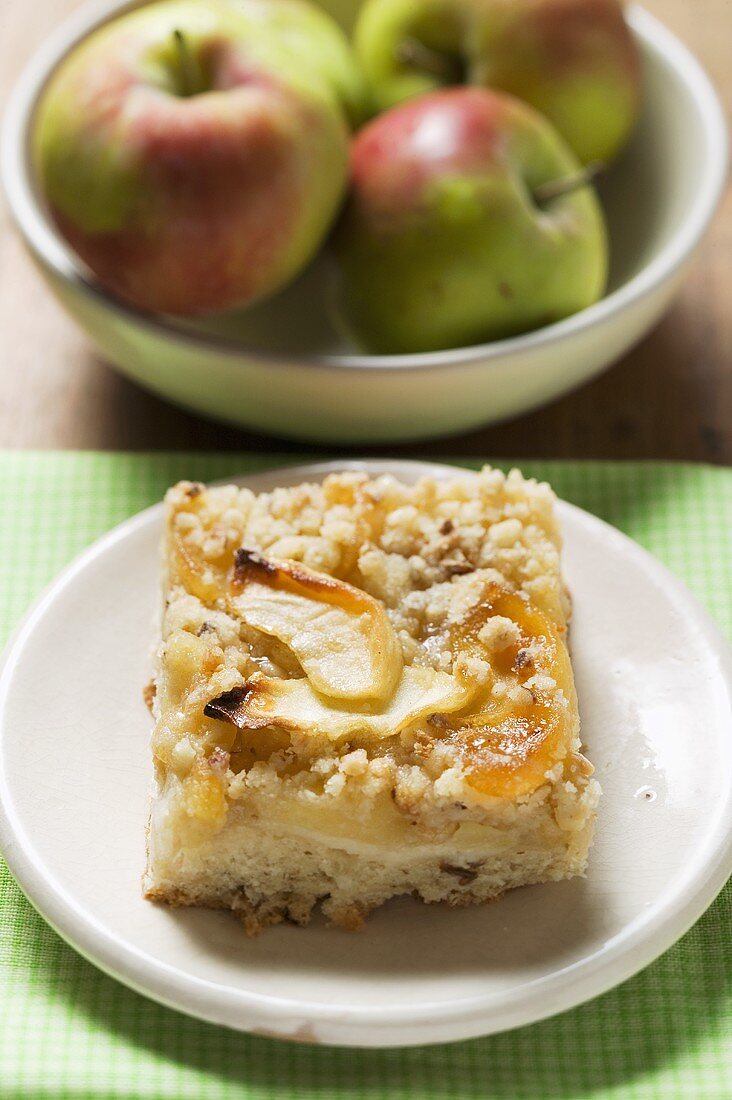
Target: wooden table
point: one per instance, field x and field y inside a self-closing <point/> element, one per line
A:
<point x="669" y="398"/>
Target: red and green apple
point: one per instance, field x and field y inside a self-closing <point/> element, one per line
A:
<point x="573" y="60"/>
<point x="468" y="220"/>
<point x="194" y="152"/>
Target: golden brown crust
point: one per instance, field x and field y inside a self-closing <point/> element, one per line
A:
<point x="256" y="918"/>
<point x="148" y="694"/>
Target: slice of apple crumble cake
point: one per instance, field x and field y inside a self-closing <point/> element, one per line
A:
<point x="364" y="690"/>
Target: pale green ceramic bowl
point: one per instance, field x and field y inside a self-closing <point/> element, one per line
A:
<point x="282" y="368"/>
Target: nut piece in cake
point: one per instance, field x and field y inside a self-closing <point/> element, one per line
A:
<point x="363" y="689"/>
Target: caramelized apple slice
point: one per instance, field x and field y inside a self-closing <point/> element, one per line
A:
<point x="292" y="705"/>
<point x="519" y="735"/>
<point x="341" y="636"/>
<point x="186" y="565"/>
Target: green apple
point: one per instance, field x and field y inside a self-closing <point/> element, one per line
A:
<point x="315" y="42"/>
<point x="573" y="60"/>
<point x="345" y="12"/>
<point x="194" y="153"/>
<point x="468" y="220"/>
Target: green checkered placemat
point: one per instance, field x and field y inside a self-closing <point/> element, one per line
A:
<point x="68" y="1031"/>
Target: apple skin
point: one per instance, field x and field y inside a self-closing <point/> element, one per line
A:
<point x="573" y="60"/>
<point x="197" y="179"/>
<point x="441" y="243"/>
<point x="315" y="41"/>
<point x="345" y="12"/>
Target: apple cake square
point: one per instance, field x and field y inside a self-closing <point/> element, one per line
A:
<point x="363" y="690"/>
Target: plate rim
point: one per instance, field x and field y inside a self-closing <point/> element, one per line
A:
<point x="365" y="1025"/>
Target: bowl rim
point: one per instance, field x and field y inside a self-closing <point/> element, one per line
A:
<point x="49" y="249"/>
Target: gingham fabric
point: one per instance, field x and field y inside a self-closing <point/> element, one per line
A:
<point x="68" y="1031"/>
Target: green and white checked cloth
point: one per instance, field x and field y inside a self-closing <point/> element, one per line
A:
<point x="68" y="1031"/>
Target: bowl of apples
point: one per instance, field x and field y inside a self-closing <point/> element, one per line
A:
<point x="372" y="222"/>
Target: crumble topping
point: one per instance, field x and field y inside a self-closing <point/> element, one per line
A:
<point x="405" y="641"/>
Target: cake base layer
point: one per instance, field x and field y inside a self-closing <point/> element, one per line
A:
<point x="265" y="871"/>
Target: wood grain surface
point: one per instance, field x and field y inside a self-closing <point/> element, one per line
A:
<point x="669" y="398"/>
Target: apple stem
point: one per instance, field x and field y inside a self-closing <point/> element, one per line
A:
<point x="554" y="189"/>
<point x="187" y="67"/>
<point x="410" y="51"/>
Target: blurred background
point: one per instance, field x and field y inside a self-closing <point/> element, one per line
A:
<point x="670" y="398"/>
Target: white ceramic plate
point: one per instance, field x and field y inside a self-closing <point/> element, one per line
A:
<point x="654" y="680"/>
